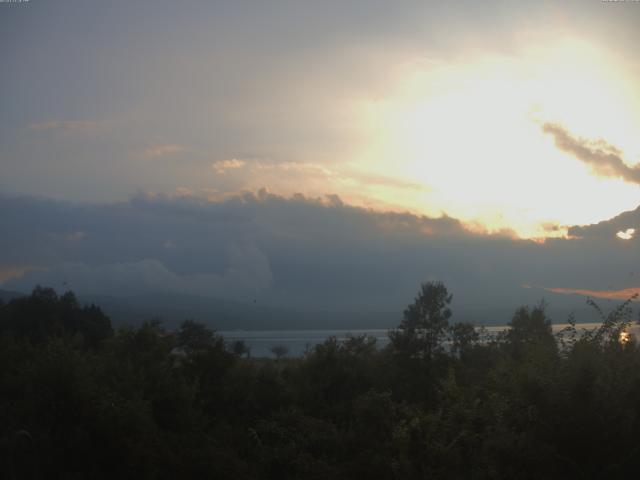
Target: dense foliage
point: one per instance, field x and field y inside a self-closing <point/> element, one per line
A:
<point x="78" y="400"/>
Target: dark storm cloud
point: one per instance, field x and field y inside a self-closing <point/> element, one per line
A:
<point x="609" y="228"/>
<point x="295" y="251"/>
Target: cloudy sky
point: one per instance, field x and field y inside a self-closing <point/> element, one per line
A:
<point x="326" y="153"/>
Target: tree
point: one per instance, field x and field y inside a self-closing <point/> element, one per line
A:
<point x="425" y="322"/>
<point x="463" y="337"/>
<point x="240" y="348"/>
<point x="530" y="325"/>
<point x="195" y="337"/>
<point x="44" y="315"/>
<point x="530" y="331"/>
<point x="280" y="351"/>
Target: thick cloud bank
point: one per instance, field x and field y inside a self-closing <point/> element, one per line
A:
<point x="301" y="253"/>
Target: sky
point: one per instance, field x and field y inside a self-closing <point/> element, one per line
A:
<point x="321" y="153"/>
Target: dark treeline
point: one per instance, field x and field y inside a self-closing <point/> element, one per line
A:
<point x="78" y="400"/>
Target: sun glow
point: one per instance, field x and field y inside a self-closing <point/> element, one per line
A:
<point x="471" y="133"/>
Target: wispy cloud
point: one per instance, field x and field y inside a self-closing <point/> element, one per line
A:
<point x="71" y="237"/>
<point x="305" y="167"/>
<point x="14" y="272"/>
<point x="622" y="294"/>
<point x="383" y="180"/>
<point x="604" y="159"/>
<point x="164" y="150"/>
<point x="222" y="166"/>
<point x="66" y="126"/>
<point x="341" y="174"/>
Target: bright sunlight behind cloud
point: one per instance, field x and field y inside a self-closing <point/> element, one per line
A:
<point x="471" y="131"/>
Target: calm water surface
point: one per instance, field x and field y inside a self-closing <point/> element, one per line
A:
<point x="298" y="341"/>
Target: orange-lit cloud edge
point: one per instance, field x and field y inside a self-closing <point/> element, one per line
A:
<point x="622" y="294"/>
<point x="10" y="272"/>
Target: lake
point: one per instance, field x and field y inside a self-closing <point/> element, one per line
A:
<point x="298" y="341"/>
